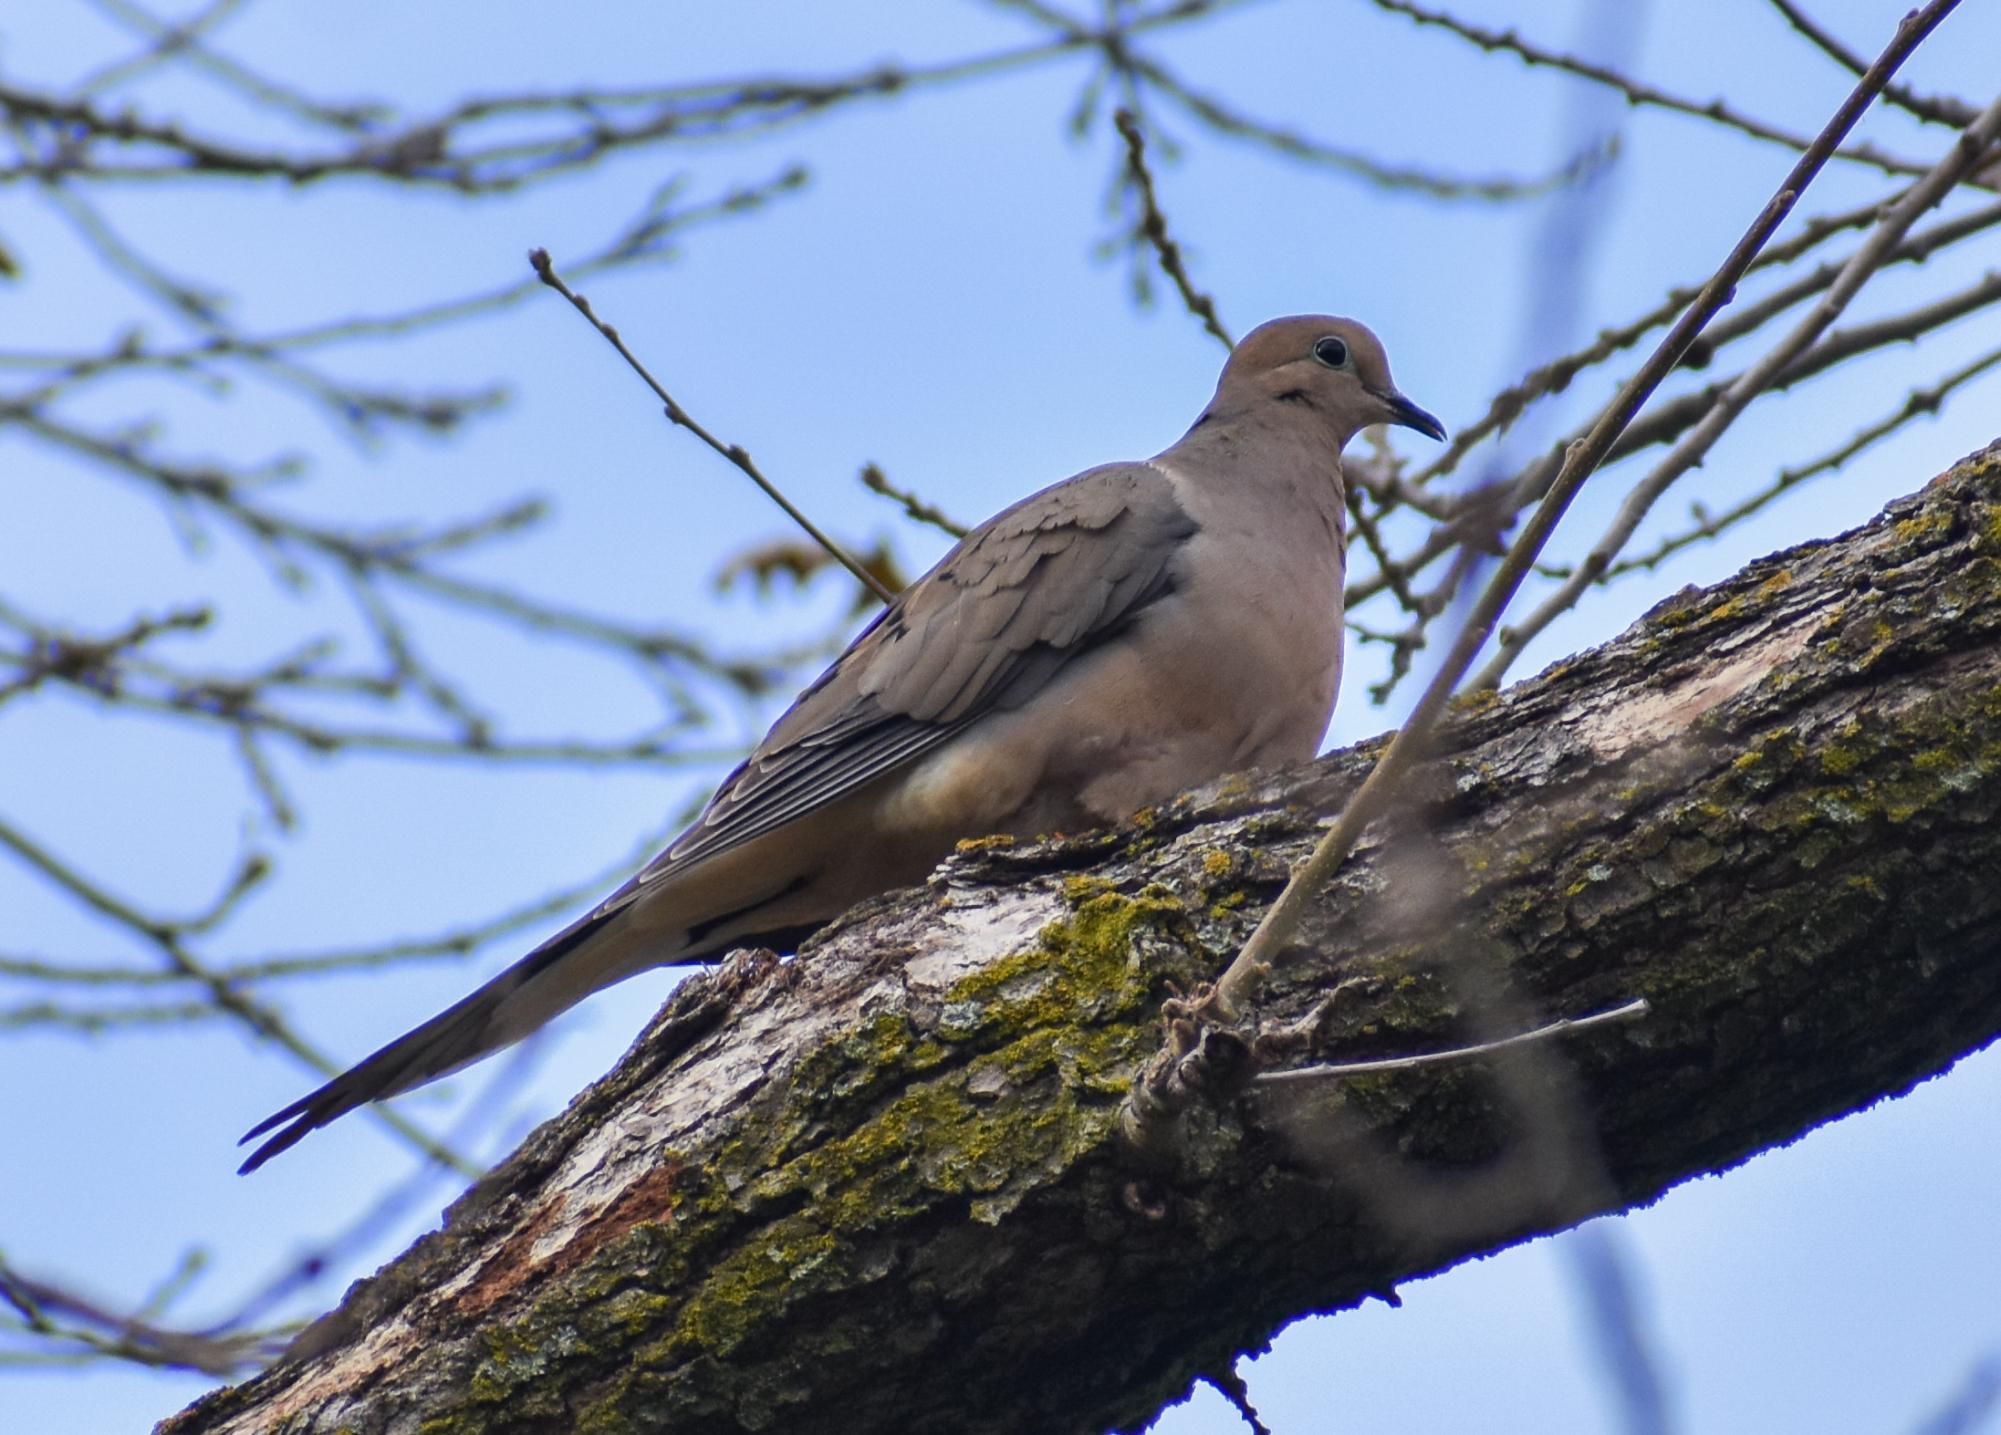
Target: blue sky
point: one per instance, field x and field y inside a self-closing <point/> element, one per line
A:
<point x="930" y="302"/>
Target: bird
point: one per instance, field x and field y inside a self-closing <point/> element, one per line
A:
<point x="1096" y="648"/>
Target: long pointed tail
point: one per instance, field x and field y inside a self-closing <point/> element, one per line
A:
<point x="529" y="993"/>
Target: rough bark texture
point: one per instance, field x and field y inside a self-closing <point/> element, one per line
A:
<point x="879" y="1188"/>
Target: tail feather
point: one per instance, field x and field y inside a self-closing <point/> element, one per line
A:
<point x="520" y="999"/>
<point x="448" y="1041"/>
<point x="738" y="903"/>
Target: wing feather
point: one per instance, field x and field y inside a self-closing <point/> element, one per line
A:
<point x="984" y="631"/>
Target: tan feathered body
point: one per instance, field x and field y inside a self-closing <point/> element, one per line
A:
<point x="1094" y="649"/>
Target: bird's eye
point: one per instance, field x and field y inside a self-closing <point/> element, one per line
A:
<point x="1332" y="352"/>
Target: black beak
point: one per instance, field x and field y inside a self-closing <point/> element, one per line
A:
<point x="1403" y="411"/>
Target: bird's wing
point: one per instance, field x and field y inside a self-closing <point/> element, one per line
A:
<point x="1027" y="592"/>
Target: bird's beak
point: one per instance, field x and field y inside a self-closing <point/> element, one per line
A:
<point x="1400" y="410"/>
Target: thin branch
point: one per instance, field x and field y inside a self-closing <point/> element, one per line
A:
<point x="167" y="44"/>
<point x="1966" y="1409"/>
<point x="1372" y="539"/>
<point x="1637" y="93"/>
<point x="1670" y="418"/>
<point x="644" y="238"/>
<point x="1920" y="401"/>
<point x="409" y="671"/>
<point x="1689" y="452"/>
<point x="41" y="969"/>
<point x="200" y="307"/>
<point x="1934" y="109"/>
<point x="182" y="40"/>
<point x="1341" y="1069"/>
<point x="47" y="1310"/>
<point x="545" y="268"/>
<point x="1233" y="124"/>
<point x="166" y="937"/>
<point x="1130" y="71"/>
<point x="223" y="493"/>
<point x="441" y="151"/>
<point x="1153" y="226"/>
<point x="1556" y="375"/>
<point x="96" y="1021"/>
<point x="1617" y="1330"/>
<point x="54" y="655"/>
<point x="876" y="481"/>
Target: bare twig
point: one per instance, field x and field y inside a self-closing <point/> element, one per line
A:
<point x="182" y="40"/>
<point x="1131" y="72"/>
<point x="1937" y="109"/>
<point x="646" y="237"/>
<point x="535" y="137"/>
<point x="1153" y="226"/>
<point x="1336" y="1070"/>
<point x="1372" y="538"/>
<point x="1920" y="401"/>
<point x="97" y="1020"/>
<point x="545" y="268"/>
<point x="876" y="481"/>
<point x="1636" y="92"/>
<point x="169" y="43"/>
<point x="1232" y="123"/>
<point x="1556" y="375"/>
<point x="91" y="1331"/>
<point x="1670" y="418"/>
<point x="225" y="495"/>
<point x="168" y="937"/>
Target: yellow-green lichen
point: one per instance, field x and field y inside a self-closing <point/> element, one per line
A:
<point x="1223" y="906"/>
<point x="1083" y="888"/>
<point x="1083" y="964"/>
<point x="997" y="841"/>
<point x="1840" y="758"/>
<point x="1930" y="523"/>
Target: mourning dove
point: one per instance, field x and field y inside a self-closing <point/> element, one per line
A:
<point x="1098" y="647"/>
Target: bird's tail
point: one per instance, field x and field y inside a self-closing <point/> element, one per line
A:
<point x="532" y="991"/>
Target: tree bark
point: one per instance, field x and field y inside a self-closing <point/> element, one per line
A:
<point x="882" y="1187"/>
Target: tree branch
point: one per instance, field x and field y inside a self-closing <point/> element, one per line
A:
<point x="879" y="1186"/>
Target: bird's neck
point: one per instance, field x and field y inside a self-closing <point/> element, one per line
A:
<point x="1291" y="455"/>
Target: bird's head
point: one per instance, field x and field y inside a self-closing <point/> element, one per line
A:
<point x="1333" y="368"/>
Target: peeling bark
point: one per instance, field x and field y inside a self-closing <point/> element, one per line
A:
<point x="880" y="1188"/>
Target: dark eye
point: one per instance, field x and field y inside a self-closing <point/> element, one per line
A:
<point x="1332" y="352"/>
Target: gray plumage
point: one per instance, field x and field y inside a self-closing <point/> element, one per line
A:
<point x="1094" y="649"/>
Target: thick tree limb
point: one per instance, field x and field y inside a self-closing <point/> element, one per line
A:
<point x="880" y="1187"/>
